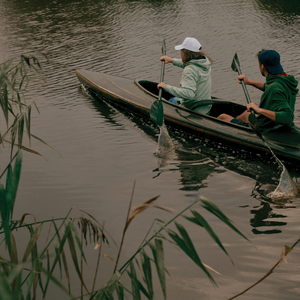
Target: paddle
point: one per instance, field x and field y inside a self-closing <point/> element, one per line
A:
<point x="235" y="66"/>
<point x="157" y="110"/>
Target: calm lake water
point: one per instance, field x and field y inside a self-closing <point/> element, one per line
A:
<point x="101" y="151"/>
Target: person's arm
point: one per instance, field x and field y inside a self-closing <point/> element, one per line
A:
<point x="265" y="112"/>
<point x="188" y="84"/>
<point x="166" y="58"/>
<point x="258" y="84"/>
<point x="283" y="116"/>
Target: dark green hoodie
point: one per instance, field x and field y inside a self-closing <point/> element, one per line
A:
<point x="279" y="96"/>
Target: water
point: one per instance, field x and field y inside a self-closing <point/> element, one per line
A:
<point x="100" y="151"/>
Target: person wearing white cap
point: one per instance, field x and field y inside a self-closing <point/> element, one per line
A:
<point x="195" y="84"/>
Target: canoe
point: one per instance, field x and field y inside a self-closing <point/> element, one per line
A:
<point x="139" y="95"/>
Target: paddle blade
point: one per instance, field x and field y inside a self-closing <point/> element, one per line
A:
<point x="157" y="112"/>
<point x="235" y="66"/>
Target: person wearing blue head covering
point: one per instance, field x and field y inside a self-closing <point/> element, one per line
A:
<point x="277" y="103"/>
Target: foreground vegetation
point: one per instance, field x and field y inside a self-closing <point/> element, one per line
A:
<point x="54" y="248"/>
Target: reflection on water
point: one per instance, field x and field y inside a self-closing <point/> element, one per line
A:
<point x="280" y="8"/>
<point x="197" y="159"/>
<point x="262" y="220"/>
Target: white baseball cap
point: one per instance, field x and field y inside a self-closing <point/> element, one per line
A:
<point x="189" y="44"/>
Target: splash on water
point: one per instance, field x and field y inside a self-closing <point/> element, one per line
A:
<point x="165" y="144"/>
<point x="286" y="187"/>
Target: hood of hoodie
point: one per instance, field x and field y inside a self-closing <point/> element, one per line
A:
<point x="203" y="64"/>
<point x="288" y="82"/>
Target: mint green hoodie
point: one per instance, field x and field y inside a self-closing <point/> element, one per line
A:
<point x="279" y="96"/>
<point x="195" y="84"/>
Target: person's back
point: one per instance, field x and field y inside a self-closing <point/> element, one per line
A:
<point x="195" y="84"/>
<point x="279" y="96"/>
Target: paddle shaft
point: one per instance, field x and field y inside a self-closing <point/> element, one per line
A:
<point x="162" y="73"/>
<point x="237" y="65"/>
<point x="162" y="76"/>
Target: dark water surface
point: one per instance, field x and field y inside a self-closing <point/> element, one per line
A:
<point x="103" y="150"/>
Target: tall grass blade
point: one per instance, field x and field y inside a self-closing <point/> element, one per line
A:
<point x="120" y="291"/>
<point x="28" y="122"/>
<point x="159" y="259"/>
<point x="70" y="239"/>
<point x="32" y="242"/>
<point x="185" y="243"/>
<point x="64" y="260"/>
<point x="16" y="179"/>
<point x="146" y="266"/>
<point x="212" y="208"/>
<point x="108" y="289"/>
<point x="51" y="269"/>
<point x="13" y="251"/>
<point x="7" y="283"/>
<point x="5" y="207"/>
<point x="200" y="220"/>
<point x="5" y="289"/>
<point x="14" y="130"/>
<point x="4" y="99"/>
<point x="36" y="268"/>
<point x="20" y="129"/>
<point x="56" y="282"/>
<point x="136" y="295"/>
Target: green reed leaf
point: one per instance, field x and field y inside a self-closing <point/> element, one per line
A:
<point x="185" y="243"/>
<point x="134" y="283"/>
<point x="158" y="254"/>
<point x="32" y="242"/>
<point x="73" y="251"/>
<point x="20" y="129"/>
<point x="13" y="249"/>
<point x="200" y="220"/>
<point x="146" y="266"/>
<point x="108" y="289"/>
<point x="212" y="208"/>
<point x="5" y="289"/>
<point x="28" y="121"/>
<point x="6" y="207"/>
<point x="36" y="264"/>
<point x="120" y="291"/>
<point x="15" y="180"/>
<point x="55" y="281"/>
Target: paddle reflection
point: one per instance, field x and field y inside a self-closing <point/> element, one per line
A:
<point x="262" y="222"/>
